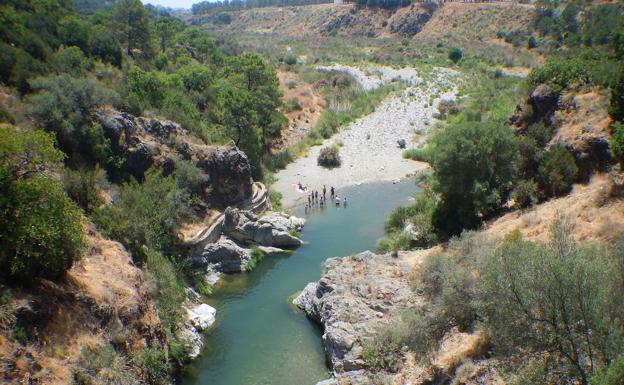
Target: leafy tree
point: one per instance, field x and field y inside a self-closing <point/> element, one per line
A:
<point x="64" y="105"/>
<point x="104" y="45"/>
<point x="41" y="234"/>
<point x="616" y="101"/>
<point x="473" y="165"/>
<point x="131" y="23"/>
<point x="166" y="28"/>
<point x="75" y="31"/>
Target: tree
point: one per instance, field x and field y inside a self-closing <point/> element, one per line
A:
<point x="166" y="28"/>
<point x="617" y="142"/>
<point x="474" y="164"/>
<point x="41" y="233"/>
<point x="557" y="171"/>
<point x="131" y="23"/>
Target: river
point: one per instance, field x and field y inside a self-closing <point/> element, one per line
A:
<point x="260" y="339"/>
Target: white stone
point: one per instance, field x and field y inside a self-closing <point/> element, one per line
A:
<point x="202" y="316"/>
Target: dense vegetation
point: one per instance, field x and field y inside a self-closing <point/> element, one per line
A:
<point x="63" y="64"/>
<point x="210" y="6"/>
<point x="528" y="297"/>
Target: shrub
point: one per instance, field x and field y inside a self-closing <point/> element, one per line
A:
<point x="99" y="364"/>
<point x="292" y="105"/>
<point x="81" y="186"/>
<point x="532" y="42"/>
<point x="613" y="375"/>
<point x="616" y="102"/>
<point x="190" y="178"/>
<point x="525" y="193"/>
<point x="455" y="54"/>
<point x="617" y="142"/>
<point x="41" y="233"/>
<point x="153" y="362"/>
<point x="329" y="157"/>
<point x="290" y="59"/>
<point x="418" y="154"/>
<point x="557" y="171"/>
<point x="401" y="143"/>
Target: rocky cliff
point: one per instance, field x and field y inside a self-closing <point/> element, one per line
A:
<point x="141" y="143"/>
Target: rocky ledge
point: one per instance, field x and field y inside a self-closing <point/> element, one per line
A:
<point x="354" y="298"/>
<point x="271" y="233"/>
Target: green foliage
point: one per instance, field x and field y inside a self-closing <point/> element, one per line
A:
<point x="401" y="143"/>
<point x="290" y="59"/>
<point x="473" y="165"/>
<point x="557" y="171"/>
<point x="525" y="193"/>
<point x="617" y="141"/>
<point x="532" y="42"/>
<point x="455" y="54"/>
<point x="385" y="351"/>
<point x="616" y="102"/>
<point x="6" y="116"/>
<point x="131" y="24"/>
<point x="292" y="105"/>
<point x="41" y="233"/>
<point x="555" y="297"/>
<point x="613" y="375"/>
<point x="167" y="288"/>
<point x="276" y="200"/>
<point x="64" y="105"/>
<point x="329" y="157"/>
<point x="419" y="154"/>
<point x="146" y="214"/>
<point x="82" y="187"/>
<point x="256" y="256"/>
<point x="190" y="178"/>
<point x="154" y="364"/>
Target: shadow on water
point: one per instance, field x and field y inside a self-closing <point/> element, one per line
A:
<point x="259" y="339"/>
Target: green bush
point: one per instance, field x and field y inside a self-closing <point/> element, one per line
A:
<point x="329" y="157"/>
<point x="418" y="154"/>
<point x="613" y="375"/>
<point x="616" y="102"/>
<point x="290" y="59"/>
<point x="154" y="364"/>
<point x="41" y="233"/>
<point x="98" y="364"/>
<point x="525" y="193"/>
<point x="401" y="143"/>
<point x="82" y="187"/>
<point x="146" y="214"/>
<point x="557" y="171"/>
<point x="617" y="142"/>
<point x="292" y="105"/>
<point x="455" y="54"/>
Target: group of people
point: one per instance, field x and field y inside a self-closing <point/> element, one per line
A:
<point x="316" y="198"/>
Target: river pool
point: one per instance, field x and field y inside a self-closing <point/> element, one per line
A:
<point x="259" y="339"/>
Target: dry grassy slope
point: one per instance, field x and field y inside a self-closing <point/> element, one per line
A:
<point x="103" y="297"/>
<point x="466" y="21"/>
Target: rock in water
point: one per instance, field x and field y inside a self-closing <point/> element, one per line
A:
<point x="202" y="316"/>
<point x="225" y="255"/>
<point x="272" y="230"/>
<point x="356" y="296"/>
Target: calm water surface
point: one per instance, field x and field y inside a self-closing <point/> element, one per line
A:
<point x="259" y="339"/>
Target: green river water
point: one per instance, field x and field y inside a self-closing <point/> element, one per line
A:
<point x="259" y="339"/>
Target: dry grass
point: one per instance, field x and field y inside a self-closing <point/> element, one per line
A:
<point x="100" y="293"/>
<point x="595" y="215"/>
<point x="584" y="115"/>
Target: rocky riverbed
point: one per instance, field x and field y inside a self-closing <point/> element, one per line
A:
<point x="369" y="147"/>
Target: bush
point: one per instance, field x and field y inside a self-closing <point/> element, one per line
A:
<point x="613" y="375"/>
<point x="617" y="142"/>
<point x="41" y="233"/>
<point x="290" y="59"/>
<point x="418" y="154"/>
<point x="102" y="364"/>
<point x="154" y="363"/>
<point x="329" y="157"/>
<point x="525" y="193"/>
<point x="401" y="143"/>
<point x="81" y="186"/>
<point x="455" y="54"/>
<point x="557" y="171"/>
<point x="292" y="105"/>
<point x="616" y="102"/>
<point x="532" y="42"/>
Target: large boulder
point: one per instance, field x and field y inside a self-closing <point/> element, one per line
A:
<point x="540" y="105"/>
<point x="224" y="255"/>
<point x="356" y="296"/>
<point x="272" y="230"/>
<point x="202" y="316"/>
<point x="230" y="174"/>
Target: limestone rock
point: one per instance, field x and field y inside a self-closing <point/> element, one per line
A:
<point x="273" y="230"/>
<point x="225" y="255"/>
<point x="356" y="296"/>
<point x="202" y="316"/>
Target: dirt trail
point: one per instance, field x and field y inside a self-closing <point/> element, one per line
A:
<point x="369" y="149"/>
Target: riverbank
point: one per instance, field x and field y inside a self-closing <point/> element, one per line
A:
<point x="369" y="147"/>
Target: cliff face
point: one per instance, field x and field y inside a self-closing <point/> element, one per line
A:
<point x="103" y="301"/>
<point x="145" y="142"/>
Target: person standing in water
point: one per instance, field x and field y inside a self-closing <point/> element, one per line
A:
<point x="332" y="192"/>
<point x="344" y="201"/>
<point x="324" y="191"/>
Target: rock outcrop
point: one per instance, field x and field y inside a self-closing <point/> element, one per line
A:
<point x="352" y="300"/>
<point x="272" y="230"/>
<point x="410" y="23"/>
<point x="199" y="317"/>
<point x="240" y="230"/>
<point x="143" y="142"/>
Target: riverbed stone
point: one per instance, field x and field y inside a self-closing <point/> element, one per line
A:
<point x="272" y="230"/>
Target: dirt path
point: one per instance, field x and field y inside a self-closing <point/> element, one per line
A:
<point x="369" y="149"/>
